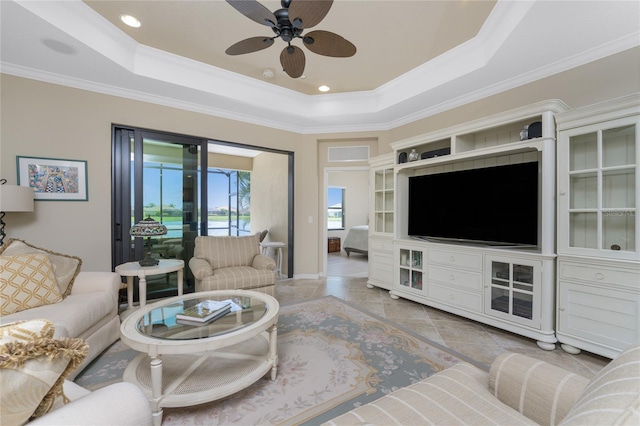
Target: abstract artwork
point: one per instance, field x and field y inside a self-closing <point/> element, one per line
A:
<point x="54" y="179"/>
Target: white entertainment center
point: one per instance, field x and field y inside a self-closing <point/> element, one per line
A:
<point x="514" y="287"/>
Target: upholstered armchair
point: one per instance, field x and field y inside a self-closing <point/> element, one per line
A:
<point x="230" y="263"/>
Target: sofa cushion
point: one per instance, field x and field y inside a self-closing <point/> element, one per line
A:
<point x="457" y="395"/>
<point x="74" y="315"/>
<point x="612" y="397"/>
<point x="32" y="371"/>
<point x="241" y="277"/>
<point x="27" y="281"/>
<point x="65" y="267"/>
<point x="541" y="391"/>
<point x="223" y="252"/>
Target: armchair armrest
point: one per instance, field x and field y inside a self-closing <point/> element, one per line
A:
<point x="117" y="404"/>
<point x="200" y="268"/>
<point x="261" y="261"/>
<point x="540" y="391"/>
<point x="87" y="282"/>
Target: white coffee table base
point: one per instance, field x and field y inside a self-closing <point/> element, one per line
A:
<point x="180" y="380"/>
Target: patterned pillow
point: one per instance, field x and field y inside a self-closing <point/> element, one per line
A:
<point x="23" y="331"/>
<point x="26" y="281"/>
<point x="65" y="267"/>
<point x="32" y="374"/>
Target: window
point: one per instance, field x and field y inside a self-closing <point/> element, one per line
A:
<point x="335" y="208"/>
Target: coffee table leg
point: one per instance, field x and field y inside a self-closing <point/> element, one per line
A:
<point x="156" y="389"/>
<point x="273" y="350"/>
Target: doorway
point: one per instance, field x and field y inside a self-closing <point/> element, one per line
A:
<point x="355" y="211"/>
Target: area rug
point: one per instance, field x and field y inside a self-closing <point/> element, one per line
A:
<point x="333" y="357"/>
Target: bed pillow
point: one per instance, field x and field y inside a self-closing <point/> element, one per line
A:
<point x="65" y="267"/>
<point x="26" y="281"/>
<point x="33" y="367"/>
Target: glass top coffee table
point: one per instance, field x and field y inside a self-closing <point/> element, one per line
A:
<point x="183" y="365"/>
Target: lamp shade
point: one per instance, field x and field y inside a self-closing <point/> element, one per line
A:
<point x="14" y="198"/>
<point x="148" y="228"/>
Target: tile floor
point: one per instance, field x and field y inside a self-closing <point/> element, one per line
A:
<point x="478" y="341"/>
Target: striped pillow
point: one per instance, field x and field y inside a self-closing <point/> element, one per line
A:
<point x="613" y="396"/>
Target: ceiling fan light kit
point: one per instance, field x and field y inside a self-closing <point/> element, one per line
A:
<point x="288" y="24"/>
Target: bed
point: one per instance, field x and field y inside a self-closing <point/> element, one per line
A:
<point x="357" y="240"/>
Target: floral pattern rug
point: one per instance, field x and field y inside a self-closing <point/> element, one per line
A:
<point x="333" y="357"/>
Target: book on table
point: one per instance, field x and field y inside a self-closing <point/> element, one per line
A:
<point x="205" y="311"/>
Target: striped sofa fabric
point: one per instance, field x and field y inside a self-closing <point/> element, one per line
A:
<point x="231" y="263"/>
<point x="518" y="390"/>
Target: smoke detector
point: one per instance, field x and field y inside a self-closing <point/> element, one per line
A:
<point x="268" y="74"/>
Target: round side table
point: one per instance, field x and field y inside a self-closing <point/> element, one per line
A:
<point x="277" y="247"/>
<point x="133" y="269"/>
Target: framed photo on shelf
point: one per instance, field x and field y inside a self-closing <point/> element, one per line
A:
<point x="54" y="179"/>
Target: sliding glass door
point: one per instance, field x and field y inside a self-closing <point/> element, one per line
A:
<point x="157" y="176"/>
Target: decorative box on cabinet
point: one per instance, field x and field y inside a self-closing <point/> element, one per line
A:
<point x="598" y="229"/>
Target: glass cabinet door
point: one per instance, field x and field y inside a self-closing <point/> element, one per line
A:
<point x="383" y="201"/>
<point x="411" y="273"/>
<point x="512" y="290"/>
<point x="602" y="189"/>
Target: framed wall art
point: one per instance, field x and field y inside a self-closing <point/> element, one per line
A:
<point x="54" y="179"/>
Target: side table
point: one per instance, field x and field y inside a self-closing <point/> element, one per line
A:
<point x="133" y="269"/>
<point x="277" y="247"/>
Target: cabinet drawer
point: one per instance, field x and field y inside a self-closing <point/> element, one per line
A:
<point x="458" y="259"/>
<point x="381" y="245"/>
<point x="454" y="297"/>
<point x="471" y="281"/>
<point x="381" y="267"/>
<point x="599" y="274"/>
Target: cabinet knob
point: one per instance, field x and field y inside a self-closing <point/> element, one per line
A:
<point x="563" y="193"/>
<point x="452" y="277"/>
<point x="599" y="276"/>
<point x="562" y="309"/>
<point x="452" y="258"/>
<point x="451" y="296"/>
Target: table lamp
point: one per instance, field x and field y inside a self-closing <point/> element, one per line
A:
<point x="148" y="228"/>
<point x="13" y="198"/>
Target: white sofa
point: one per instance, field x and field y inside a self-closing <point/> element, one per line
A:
<point x="89" y="312"/>
<point x="518" y="390"/>
<point x="121" y="404"/>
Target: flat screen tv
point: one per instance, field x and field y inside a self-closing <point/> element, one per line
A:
<point x="493" y="206"/>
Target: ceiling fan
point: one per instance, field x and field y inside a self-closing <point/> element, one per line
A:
<point x="288" y="24"/>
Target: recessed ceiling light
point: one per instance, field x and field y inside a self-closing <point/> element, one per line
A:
<point x="131" y="21"/>
<point x="324" y="88"/>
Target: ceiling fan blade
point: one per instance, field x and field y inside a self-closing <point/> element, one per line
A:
<point x="254" y="11"/>
<point x="329" y="44"/>
<point x="249" y="45"/>
<point x="293" y="61"/>
<point x="308" y="13"/>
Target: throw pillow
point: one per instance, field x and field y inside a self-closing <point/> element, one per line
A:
<point x="65" y="267"/>
<point x="32" y="375"/>
<point x="26" y="281"/>
<point x="22" y="331"/>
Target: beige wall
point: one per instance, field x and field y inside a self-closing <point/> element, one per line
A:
<point x="269" y="198"/>
<point x="231" y="162"/>
<point x="47" y="120"/>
